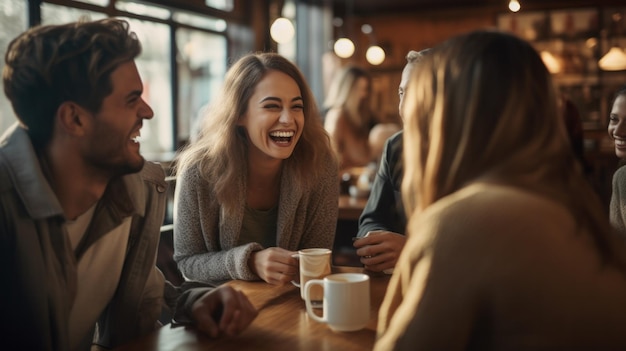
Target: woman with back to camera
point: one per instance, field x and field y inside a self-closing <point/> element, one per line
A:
<point x="260" y="181"/>
<point x="508" y="246"/>
<point x="617" y="132"/>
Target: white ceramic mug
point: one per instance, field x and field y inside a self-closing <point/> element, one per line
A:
<point x="346" y="301"/>
<point x="314" y="264"/>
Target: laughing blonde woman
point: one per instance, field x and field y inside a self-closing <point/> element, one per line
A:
<point x="260" y="181"/>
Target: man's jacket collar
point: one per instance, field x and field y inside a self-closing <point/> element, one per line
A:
<point x="35" y="191"/>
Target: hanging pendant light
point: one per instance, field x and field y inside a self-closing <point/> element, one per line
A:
<point x="375" y="55"/>
<point x="514" y="5"/>
<point x="614" y="60"/>
<point x="552" y="63"/>
<point x="344" y="47"/>
<point x="282" y="30"/>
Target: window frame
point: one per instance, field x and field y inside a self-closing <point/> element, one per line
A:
<point x="235" y="17"/>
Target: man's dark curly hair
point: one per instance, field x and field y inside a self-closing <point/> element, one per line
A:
<point x="49" y="65"/>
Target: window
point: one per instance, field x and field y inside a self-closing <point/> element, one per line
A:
<point x="145" y="10"/>
<point x="94" y="2"/>
<point x="55" y="14"/>
<point x="156" y="135"/>
<point x="225" y="5"/>
<point x="201" y="67"/>
<point x="12" y="23"/>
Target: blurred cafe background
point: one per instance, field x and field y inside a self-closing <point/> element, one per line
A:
<point x="188" y="45"/>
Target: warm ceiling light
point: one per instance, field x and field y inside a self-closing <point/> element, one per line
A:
<point x="282" y="30"/>
<point x="344" y="47"/>
<point x="514" y="5"/>
<point x="614" y="60"/>
<point x="375" y="55"/>
<point x="551" y="62"/>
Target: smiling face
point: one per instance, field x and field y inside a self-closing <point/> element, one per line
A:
<point x="111" y="144"/>
<point x="617" y="125"/>
<point x="274" y="118"/>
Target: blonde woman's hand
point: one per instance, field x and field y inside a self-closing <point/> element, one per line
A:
<point x="274" y="265"/>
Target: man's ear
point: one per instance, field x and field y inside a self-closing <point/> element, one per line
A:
<point x="72" y="118"/>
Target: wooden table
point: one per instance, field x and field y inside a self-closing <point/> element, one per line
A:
<point x="350" y="208"/>
<point x="282" y="324"/>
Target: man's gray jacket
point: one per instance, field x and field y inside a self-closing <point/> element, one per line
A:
<point x="38" y="266"/>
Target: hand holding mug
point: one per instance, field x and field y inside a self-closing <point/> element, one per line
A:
<point x="274" y="265"/>
<point x="379" y="250"/>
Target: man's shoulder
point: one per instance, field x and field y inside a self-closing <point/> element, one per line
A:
<point x="394" y="143"/>
<point x="4" y="169"/>
<point x="396" y="137"/>
<point x="152" y="172"/>
<point x="6" y="182"/>
<point x="15" y="153"/>
<point x="392" y="154"/>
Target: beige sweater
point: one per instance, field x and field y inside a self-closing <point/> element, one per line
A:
<point x="497" y="268"/>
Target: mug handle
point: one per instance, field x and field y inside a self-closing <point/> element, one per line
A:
<point x="295" y="283"/>
<point x="307" y="300"/>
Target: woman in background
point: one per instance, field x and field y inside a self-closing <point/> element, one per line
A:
<point x="508" y="247"/>
<point x="350" y="122"/>
<point x="260" y="181"/>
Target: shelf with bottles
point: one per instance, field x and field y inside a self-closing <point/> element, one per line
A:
<point x="553" y="26"/>
<point x="571" y="42"/>
<point x="593" y="101"/>
<point x="613" y="24"/>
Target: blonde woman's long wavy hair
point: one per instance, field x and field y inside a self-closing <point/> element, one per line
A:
<point x="483" y="105"/>
<point x="220" y="150"/>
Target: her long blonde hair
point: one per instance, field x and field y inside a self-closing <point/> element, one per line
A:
<point x="483" y="105"/>
<point x="220" y="150"/>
